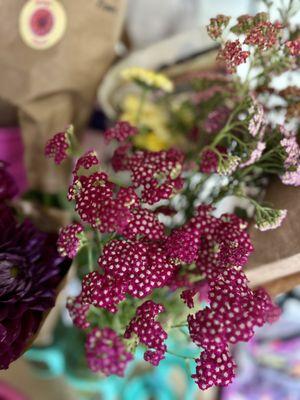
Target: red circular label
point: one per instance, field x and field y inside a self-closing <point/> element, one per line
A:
<point x="42" y="21"/>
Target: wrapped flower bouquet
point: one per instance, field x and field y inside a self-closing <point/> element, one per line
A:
<point x="156" y="257"/>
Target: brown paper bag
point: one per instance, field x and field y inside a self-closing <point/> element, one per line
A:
<point x="275" y="262"/>
<point x="55" y="87"/>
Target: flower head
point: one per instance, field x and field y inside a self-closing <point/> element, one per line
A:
<point x="78" y="312"/>
<point x="121" y="131"/>
<point x="30" y="271"/>
<point x="139" y="266"/>
<point x="106" y="353"/>
<point x="149" y="331"/>
<point x="158" y="173"/>
<point x="217" y="25"/>
<point x="263" y="35"/>
<point x="216" y="119"/>
<point x="257" y="123"/>
<point x="210" y="160"/>
<point x="86" y="162"/>
<point x="183" y="245"/>
<point x="291" y="148"/>
<point x="101" y="291"/>
<point x="291" y="177"/>
<point x="255" y="155"/>
<point x="70" y="240"/>
<point x="293" y="47"/>
<point x="8" y="187"/>
<point x="269" y="218"/>
<point x="97" y="205"/>
<point x="228" y="165"/>
<point x="58" y="147"/>
<point x="147" y="78"/>
<point x="232" y="55"/>
<point x="214" y="368"/>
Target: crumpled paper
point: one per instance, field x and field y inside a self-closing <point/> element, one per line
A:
<point x="55" y="87"/>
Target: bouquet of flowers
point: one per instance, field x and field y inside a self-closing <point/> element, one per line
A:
<point x="157" y="257"/>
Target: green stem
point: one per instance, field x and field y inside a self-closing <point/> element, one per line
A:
<point x="141" y="106"/>
<point x="180" y="355"/>
<point x="90" y="258"/>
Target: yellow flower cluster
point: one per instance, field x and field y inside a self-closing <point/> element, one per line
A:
<point x="148" y="78"/>
<point x="156" y="136"/>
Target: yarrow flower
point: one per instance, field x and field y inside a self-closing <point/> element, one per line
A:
<point x="289" y="144"/>
<point x="121" y="131"/>
<point x="100" y="291"/>
<point x="78" y="312"/>
<point x="264" y="35"/>
<point x="106" y="352"/>
<point x="233" y="313"/>
<point x="269" y="218"/>
<point x="293" y="47"/>
<point x="86" y="162"/>
<point x="228" y="165"/>
<point x="70" y="240"/>
<point x="214" y="368"/>
<point x="232" y="55"/>
<point x="209" y="161"/>
<point x="255" y="155"/>
<point x="217" y="25"/>
<point x="148" y="78"/>
<point x="158" y="173"/>
<point x="149" y="331"/>
<point x="58" y="147"/>
<point x="216" y="119"/>
<point x="292" y="177"/>
<point x="257" y="123"/>
<point x="183" y="245"/>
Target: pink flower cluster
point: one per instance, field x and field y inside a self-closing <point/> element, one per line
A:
<point x="106" y="352"/>
<point x="263" y="35"/>
<point x="292" y="158"/>
<point x="157" y="173"/>
<point x="234" y="309"/>
<point x="232" y="55"/>
<point x="217" y="25"/>
<point x="149" y="331"/>
<point x="293" y="47"/>
<point x="57" y="147"/>
<point x="121" y="131"/>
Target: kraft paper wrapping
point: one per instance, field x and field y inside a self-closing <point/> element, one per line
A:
<point x="275" y="262"/>
<point x="55" y="87"/>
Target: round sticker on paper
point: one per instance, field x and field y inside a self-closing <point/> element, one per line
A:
<point x="42" y="23"/>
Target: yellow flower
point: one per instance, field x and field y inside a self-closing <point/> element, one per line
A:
<point x="155" y="136"/>
<point x="148" y="78"/>
<point x="151" y="141"/>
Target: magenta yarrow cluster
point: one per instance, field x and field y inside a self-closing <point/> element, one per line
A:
<point x="144" y="257"/>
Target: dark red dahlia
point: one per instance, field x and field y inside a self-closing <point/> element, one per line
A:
<point x="8" y="187"/>
<point x="30" y="270"/>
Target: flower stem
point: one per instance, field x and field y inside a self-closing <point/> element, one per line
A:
<point x="141" y="106"/>
<point x="90" y="258"/>
<point x="180" y="355"/>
